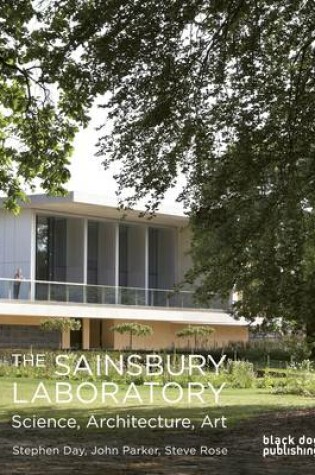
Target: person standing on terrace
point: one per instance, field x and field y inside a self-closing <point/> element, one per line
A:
<point x="18" y="276"/>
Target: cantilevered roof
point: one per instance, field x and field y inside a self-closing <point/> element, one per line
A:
<point x="83" y="204"/>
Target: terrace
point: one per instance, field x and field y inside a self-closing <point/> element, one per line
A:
<point x="39" y="291"/>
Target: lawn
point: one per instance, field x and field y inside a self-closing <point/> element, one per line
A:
<point x="250" y="413"/>
<point x="236" y="404"/>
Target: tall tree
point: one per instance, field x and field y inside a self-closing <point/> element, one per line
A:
<point x="223" y="92"/>
<point x="36" y="130"/>
<point x="60" y="325"/>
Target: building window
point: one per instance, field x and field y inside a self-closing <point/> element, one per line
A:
<point x="51" y="240"/>
<point x="153" y="258"/>
<point x="123" y="256"/>
<point x="93" y="247"/>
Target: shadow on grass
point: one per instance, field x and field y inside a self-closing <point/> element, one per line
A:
<point x="250" y="414"/>
<point x="243" y="440"/>
<point x="202" y="418"/>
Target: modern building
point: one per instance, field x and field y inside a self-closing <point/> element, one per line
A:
<point x="75" y="256"/>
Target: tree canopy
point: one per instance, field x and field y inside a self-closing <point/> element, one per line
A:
<point x="133" y="329"/>
<point x="195" y="332"/>
<point x="223" y="92"/>
<point x="36" y="130"/>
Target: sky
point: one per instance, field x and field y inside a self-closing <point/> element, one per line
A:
<point x="88" y="174"/>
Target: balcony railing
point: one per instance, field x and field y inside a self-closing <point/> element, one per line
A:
<point x="69" y="292"/>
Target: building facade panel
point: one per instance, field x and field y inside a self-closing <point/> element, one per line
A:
<point x="164" y="336"/>
<point x="16" y="235"/>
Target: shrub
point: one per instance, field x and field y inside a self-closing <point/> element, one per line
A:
<point x="240" y="374"/>
<point x="299" y="380"/>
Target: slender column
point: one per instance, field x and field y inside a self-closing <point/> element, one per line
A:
<point x="85" y="334"/>
<point x="146" y="261"/>
<point x="33" y="256"/>
<point x="116" y="263"/>
<point x="85" y="250"/>
<point x="66" y="339"/>
<point x="85" y="257"/>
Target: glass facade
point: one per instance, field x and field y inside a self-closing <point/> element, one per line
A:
<point x="153" y="258"/>
<point x="93" y="246"/>
<point x="161" y="258"/>
<point x="59" y="257"/>
<point x="98" y="254"/>
<point x="51" y="258"/>
<point x="51" y="238"/>
<point x="161" y="265"/>
<point x="123" y="256"/>
<point x="90" y="261"/>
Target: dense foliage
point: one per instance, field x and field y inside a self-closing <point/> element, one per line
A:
<point x="223" y="92"/>
<point x="35" y="132"/>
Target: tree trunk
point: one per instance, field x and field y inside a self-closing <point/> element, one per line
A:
<point x="310" y="336"/>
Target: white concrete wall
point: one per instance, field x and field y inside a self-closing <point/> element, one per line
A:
<point x="16" y="243"/>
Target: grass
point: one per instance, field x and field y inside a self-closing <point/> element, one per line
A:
<point x="235" y="404"/>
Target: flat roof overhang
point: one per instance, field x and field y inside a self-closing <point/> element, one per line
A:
<point x="96" y="206"/>
<point x="118" y="312"/>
